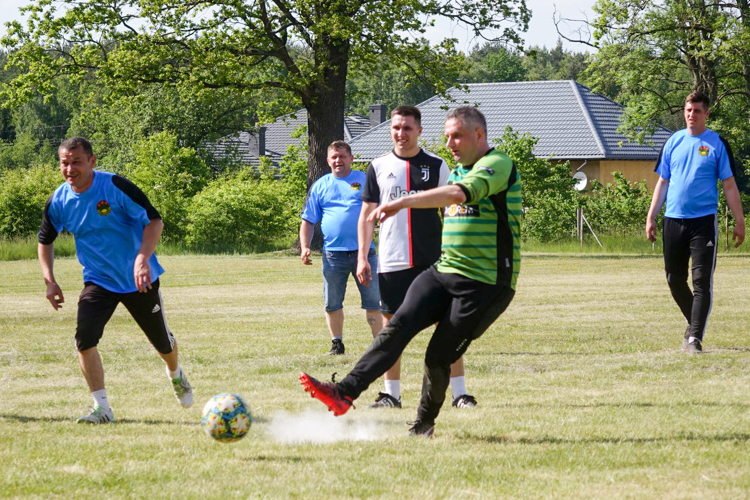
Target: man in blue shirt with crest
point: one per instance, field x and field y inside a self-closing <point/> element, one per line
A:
<point x="116" y="230"/>
<point x="690" y="164"/>
<point x="335" y="201"/>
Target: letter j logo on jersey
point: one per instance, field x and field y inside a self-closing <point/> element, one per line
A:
<point x="103" y="208"/>
<point x="703" y="150"/>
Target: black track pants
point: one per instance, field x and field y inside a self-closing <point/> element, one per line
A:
<point x="462" y="308"/>
<point x="696" y="240"/>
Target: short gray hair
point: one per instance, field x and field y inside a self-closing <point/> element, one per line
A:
<point x="469" y="115"/>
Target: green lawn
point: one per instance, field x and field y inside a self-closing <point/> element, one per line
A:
<point x="583" y="392"/>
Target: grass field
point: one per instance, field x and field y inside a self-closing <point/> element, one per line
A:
<point x="583" y="392"/>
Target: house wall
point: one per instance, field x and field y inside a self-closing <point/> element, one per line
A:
<point x="601" y="170"/>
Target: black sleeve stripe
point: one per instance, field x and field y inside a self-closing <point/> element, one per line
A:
<point x="466" y="192"/>
<point x="730" y="155"/>
<point x="658" y="160"/>
<point x="371" y="190"/>
<point x="47" y="232"/>
<point x="513" y="176"/>
<point x="135" y="194"/>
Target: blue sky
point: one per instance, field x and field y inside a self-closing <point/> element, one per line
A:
<point x="541" y="30"/>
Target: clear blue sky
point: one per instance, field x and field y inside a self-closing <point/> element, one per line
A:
<point x="541" y="30"/>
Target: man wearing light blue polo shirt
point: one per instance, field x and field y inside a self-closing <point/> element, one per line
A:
<point x="689" y="166"/>
<point x="335" y="201"/>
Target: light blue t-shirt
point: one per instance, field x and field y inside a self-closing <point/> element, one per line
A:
<point x="336" y="202"/>
<point x="107" y="221"/>
<point x="693" y="165"/>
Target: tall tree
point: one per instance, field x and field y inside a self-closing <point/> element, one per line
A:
<point x="300" y="48"/>
<point x="652" y="53"/>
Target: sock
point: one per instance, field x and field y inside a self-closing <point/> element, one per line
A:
<point x="174" y="375"/>
<point x="692" y="338"/>
<point x="100" y="398"/>
<point x="458" y="386"/>
<point x="393" y="388"/>
<point x="338" y="337"/>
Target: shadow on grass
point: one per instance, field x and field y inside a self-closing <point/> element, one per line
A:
<point x="542" y="440"/>
<point x="119" y="421"/>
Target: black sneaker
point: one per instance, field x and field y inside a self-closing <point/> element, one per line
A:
<point x="465" y="401"/>
<point x="385" y="400"/>
<point x="694" y="347"/>
<point x="337" y="347"/>
<point x="422" y="429"/>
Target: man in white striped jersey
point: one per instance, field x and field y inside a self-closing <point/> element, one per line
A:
<point x="408" y="243"/>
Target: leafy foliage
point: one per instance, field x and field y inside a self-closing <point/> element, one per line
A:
<point x="239" y="211"/>
<point x="23" y="194"/>
<point x="170" y="176"/>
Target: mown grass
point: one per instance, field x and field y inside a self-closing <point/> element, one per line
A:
<point x="611" y="244"/>
<point x="583" y="391"/>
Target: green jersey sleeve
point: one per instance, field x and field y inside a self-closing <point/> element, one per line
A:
<point x="490" y="175"/>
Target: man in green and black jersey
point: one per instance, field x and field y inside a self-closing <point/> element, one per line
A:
<point x="470" y="286"/>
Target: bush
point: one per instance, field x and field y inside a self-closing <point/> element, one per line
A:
<point x="620" y="206"/>
<point x="170" y="176"/>
<point x="23" y="194"/>
<point x="240" y="211"/>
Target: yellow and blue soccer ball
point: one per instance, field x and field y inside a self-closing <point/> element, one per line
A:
<point x="226" y="417"/>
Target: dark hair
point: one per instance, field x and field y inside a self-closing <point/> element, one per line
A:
<point x="469" y="115"/>
<point x="408" y="111"/>
<point x="340" y="145"/>
<point x="77" y="142"/>
<point x="698" y="96"/>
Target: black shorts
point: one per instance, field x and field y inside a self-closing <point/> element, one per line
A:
<point x="97" y="304"/>
<point x="393" y="287"/>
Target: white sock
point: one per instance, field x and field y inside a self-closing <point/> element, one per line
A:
<point x="100" y="398"/>
<point x="174" y="375"/>
<point x="458" y="386"/>
<point x="691" y="339"/>
<point x="338" y="337"/>
<point x="393" y="388"/>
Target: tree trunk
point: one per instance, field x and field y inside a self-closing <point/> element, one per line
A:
<point x="325" y="104"/>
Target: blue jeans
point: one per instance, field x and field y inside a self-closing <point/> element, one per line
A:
<point x="337" y="266"/>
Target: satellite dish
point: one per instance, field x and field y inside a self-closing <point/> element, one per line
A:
<point x="581" y="181"/>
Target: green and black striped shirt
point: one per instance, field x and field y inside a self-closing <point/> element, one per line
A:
<point x="482" y="236"/>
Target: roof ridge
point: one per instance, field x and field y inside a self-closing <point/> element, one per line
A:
<point x="585" y="110"/>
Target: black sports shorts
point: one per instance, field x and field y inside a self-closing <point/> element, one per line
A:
<point x="393" y="287"/>
<point x="97" y="304"/>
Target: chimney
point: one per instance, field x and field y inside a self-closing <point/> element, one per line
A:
<point x="261" y="141"/>
<point x="377" y="114"/>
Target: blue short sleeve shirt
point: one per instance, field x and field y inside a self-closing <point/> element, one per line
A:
<point x="336" y="203"/>
<point x="693" y="165"/>
<point x="107" y="221"/>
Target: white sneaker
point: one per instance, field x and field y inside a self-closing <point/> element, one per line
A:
<point x="182" y="390"/>
<point x="97" y="415"/>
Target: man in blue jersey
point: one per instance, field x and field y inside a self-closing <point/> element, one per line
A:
<point x="335" y="201"/>
<point x="689" y="166"/>
<point x="116" y="230"/>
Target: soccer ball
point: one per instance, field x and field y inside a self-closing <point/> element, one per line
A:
<point x="226" y="417"/>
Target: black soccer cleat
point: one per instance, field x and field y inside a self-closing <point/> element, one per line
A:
<point x="465" y="401"/>
<point x="337" y="347"/>
<point x="385" y="400"/>
<point x="694" y="347"/>
<point x="421" y="429"/>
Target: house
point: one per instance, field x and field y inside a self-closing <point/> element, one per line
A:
<point x="571" y="122"/>
<point x="273" y="139"/>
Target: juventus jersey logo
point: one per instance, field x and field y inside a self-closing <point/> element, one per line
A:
<point x="425" y="174"/>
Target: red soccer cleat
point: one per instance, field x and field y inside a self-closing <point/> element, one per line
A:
<point x="327" y="393"/>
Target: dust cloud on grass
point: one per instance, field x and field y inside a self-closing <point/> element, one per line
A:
<point x="316" y="427"/>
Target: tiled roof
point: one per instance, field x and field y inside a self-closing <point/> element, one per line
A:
<point x="278" y="137"/>
<point x="570" y="121"/>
